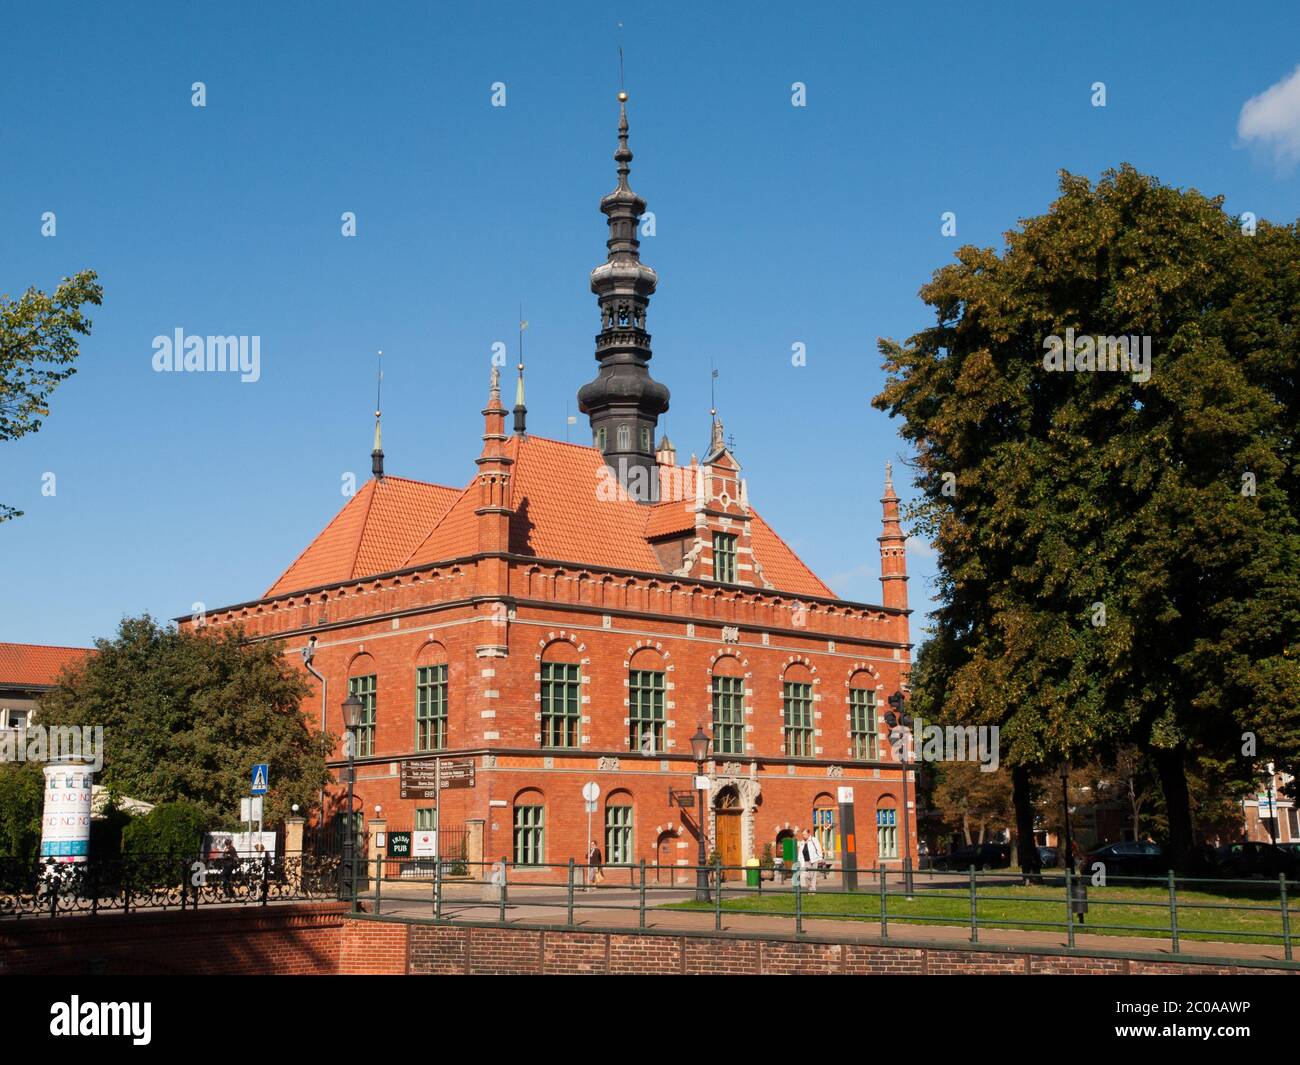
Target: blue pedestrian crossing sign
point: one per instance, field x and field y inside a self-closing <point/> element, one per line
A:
<point x="261" y="776"/>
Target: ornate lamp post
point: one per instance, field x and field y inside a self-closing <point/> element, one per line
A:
<point x="700" y="751"/>
<point x="352" y="723"/>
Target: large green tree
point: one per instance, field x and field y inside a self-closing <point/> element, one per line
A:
<point x="38" y="346"/>
<point x="1119" y="559"/>
<point x="186" y="714"/>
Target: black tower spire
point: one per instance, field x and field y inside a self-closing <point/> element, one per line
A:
<point x="624" y="402"/>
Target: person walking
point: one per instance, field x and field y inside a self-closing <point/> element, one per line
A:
<point x="594" y="874"/>
<point x="810" y="859"/>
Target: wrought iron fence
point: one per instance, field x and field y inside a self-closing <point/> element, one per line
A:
<point x="1171" y="908"/>
<point x="162" y="882"/>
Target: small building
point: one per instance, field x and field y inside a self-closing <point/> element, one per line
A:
<point x="26" y="671"/>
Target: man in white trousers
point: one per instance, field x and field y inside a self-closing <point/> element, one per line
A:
<point x="810" y="858"/>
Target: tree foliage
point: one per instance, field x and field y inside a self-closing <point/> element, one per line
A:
<point x="1170" y="503"/>
<point x="171" y="828"/>
<point x="186" y="715"/>
<point x="38" y="346"/>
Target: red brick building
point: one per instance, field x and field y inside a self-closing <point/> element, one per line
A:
<point x="574" y="613"/>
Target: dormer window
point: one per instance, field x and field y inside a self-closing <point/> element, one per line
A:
<point x="724" y="557"/>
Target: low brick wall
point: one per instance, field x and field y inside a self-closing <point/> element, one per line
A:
<point x="369" y="946"/>
<point x="301" y="938"/>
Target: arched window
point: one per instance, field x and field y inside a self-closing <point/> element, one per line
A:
<point x="645" y="438"/>
<point x="824" y="823"/>
<point x="600" y="438"/>
<point x="728" y="694"/>
<point x="530" y="827"/>
<point x="618" y="828"/>
<point x="624" y="438"/>
<point x="887" y="829"/>
<point x="862" y="717"/>
<point x="561" y="696"/>
<point x="431" y="698"/>
<point x="646" y="685"/>
<point x="797" y="711"/>
<point x="363" y="682"/>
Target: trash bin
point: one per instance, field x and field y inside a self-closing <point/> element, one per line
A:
<point x="752" y="872"/>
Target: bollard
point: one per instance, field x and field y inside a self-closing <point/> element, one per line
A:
<point x="571" y="868"/>
<point x="1069" y="909"/>
<point x="642" y="916"/>
<point x="1173" y="912"/>
<point x="883" y="874"/>
<point x="974" y="909"/>
<point x="1286" y="917"/>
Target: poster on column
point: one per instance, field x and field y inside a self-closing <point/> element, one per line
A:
<point x="65" y="822"/>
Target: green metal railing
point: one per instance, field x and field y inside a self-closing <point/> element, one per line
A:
<point x="1058" y="902"/>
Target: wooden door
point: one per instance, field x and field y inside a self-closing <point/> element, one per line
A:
<point x="729" y="842"/>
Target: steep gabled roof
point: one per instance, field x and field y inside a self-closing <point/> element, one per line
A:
<point x="563" y="511"/>
<point x="33" y="665"/>
<point x="376" y="531"/>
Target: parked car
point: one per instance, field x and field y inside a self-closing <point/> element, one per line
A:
<point x="1048" y="857"/>
<point x="1291" y="848"/>
<point x="1126" y="859"/>
<point x="1256" y="859"/>
<point x="981" y="856"/>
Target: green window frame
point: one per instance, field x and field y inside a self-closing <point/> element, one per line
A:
<point x="618" y="834"/>
<point x="426" y="818"/>
<point x="824" y="828"/>
<point x="862" y="724"/>
<point x="797" y="708"/>
<point x="367" y="690"/>
<point x="729" y="715"/>
<point x="431" y="708"/>
<point x="561" y="704"/>
<point x="887" y="832"/>
<point x="646" y="711"/>
<point x="724" y="557"/>
<point x="530" y="835"/>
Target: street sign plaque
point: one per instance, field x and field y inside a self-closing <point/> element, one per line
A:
<point x="419" y="780"/>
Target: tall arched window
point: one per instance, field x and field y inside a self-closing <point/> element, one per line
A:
<point x="887" y="829"/>
<point x="646" y="683"/>
<point x="728" y="693"/>
<point x="624" y="438"/>
<point x="431" y="698"/>
<point x="363" y="682"/>
<point x="797" y="712"/>
<point x="600" y="438"/>
<point x="862" y="717"/>
<point x="561" y="696"/>
<point x="824" y="823"/>
<point x="530" y="828"/>
<point x="619" y="836"/>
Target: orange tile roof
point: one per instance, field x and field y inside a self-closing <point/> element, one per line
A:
<point x="560" y="513"/>
<point x="374" y="532"/>
<point x="31" y="665"/>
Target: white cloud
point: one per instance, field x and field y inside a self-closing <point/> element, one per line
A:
<point x="1272" y="119"/>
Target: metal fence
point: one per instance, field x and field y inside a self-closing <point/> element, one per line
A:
<point x="164" y="882"/>
<point x="1171" y="908"/>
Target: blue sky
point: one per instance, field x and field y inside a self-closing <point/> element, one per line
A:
<point x="776" y="225"/>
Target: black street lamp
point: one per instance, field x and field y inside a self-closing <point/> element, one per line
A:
<point x="900" y="725"/>
<point x="352" y="723"/>
<point x="1068" y="856"/>
<point x="700" y="751"/>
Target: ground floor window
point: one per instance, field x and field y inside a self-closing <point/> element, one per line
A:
<point x="887" y="832"/>
<point x="824" y="828"/>
<point x="618" y="835"/>
<point x="425" y="819"/>
<point x="530" y="835"/>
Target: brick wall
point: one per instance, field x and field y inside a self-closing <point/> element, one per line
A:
<point x="301" y="939"/>
<point x="446" y="950"/>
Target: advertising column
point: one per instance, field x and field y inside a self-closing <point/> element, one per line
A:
<point x="65" y="826"/>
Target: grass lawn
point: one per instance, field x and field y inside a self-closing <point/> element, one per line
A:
<point x="1144" y="911"/>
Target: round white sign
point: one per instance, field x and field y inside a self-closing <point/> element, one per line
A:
<point x="591" y="791"/>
